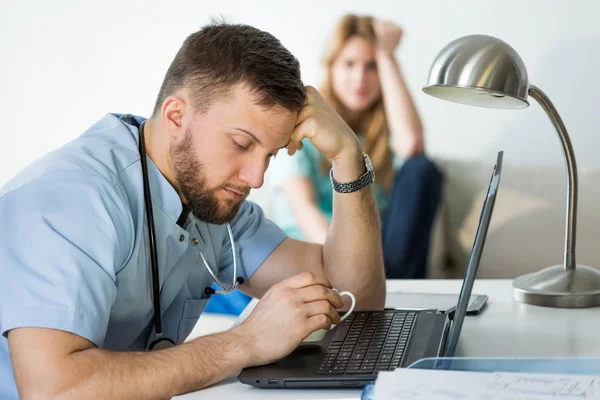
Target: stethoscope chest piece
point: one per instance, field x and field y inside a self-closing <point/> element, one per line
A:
<point x="161" y="344"/>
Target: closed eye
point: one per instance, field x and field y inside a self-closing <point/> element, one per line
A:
<point x="239" y="145"/>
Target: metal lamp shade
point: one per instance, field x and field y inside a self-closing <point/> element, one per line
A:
<point x="479" y="70"/>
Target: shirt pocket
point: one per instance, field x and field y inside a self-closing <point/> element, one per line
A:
<point x="191" y="312"/>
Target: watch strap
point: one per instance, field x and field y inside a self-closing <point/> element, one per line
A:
<point x="349" y="187"/>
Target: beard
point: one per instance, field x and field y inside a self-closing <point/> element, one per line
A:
<point x="192" y="183"/>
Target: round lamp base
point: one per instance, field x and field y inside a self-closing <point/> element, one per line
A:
<point x="560" y="288"/>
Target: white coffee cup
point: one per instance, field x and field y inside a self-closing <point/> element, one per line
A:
<point x="319" y="335"/>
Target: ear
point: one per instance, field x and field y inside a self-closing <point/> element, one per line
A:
<point x="173" y="111"/>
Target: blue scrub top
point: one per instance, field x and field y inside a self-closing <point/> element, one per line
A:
<point x="74" y="252"/>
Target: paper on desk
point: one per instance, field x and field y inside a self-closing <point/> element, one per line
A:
<point x="417" y="384"/>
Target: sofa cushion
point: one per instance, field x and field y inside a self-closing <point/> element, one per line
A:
<point x="527" y="230"/>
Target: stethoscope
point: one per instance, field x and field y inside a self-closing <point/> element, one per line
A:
<point x="161" y="341"/>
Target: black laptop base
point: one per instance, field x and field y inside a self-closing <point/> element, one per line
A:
<point x="354" y="352"/>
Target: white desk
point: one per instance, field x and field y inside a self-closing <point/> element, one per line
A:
<point x="506" y="328"/>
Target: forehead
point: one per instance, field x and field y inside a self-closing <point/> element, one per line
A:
<point x="357" y="47"/>
<point x="238" y="109"/>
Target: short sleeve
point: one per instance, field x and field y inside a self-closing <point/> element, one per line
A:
<point x="63" y="237"/>
<point x="255" y="239"/>
<point x="285" y="167"/>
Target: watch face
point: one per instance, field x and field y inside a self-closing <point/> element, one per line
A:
<point x="368" y="162"/>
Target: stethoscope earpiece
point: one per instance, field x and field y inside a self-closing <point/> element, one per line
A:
<point x="236" y="279"/>
<point x="209" y="291"/>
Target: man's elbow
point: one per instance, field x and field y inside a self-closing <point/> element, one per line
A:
<point x="373" y="299"/>
<point x="371" y="303"/>
<point x="379" y="300"/>
<point x="36" y="391"/>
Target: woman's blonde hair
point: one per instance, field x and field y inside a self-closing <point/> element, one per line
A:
<point x="372" y="124"/>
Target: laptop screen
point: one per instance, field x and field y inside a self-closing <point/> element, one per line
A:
<point x="465" y="293"/>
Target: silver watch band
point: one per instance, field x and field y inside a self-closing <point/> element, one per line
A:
<point x="348" y="187"/>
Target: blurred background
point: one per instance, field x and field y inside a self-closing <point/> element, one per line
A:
<point x="65" y="64"/>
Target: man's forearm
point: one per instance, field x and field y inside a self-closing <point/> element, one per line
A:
<point x="352" y="252"/>
<point x="103" y="374"/>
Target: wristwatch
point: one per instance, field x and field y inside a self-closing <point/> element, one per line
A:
<point x="364" y="180"/>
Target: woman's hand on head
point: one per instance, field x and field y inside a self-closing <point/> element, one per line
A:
<point x="388" y="35"/>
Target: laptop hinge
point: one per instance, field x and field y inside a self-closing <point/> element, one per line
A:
<point x="447" y="325"/>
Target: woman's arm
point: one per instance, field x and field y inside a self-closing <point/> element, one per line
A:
<point x="300" y="194"/>
<point x="401" y="113"/>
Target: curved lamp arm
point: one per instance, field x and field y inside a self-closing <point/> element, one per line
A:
<point x="572" y="185"/>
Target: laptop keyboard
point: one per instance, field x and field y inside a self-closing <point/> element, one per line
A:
<point x="367" y="342"/>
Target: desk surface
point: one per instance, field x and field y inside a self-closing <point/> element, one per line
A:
<point x="505" y="328"/>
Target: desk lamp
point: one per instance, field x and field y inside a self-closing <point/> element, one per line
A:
<point x="484" y="71"/>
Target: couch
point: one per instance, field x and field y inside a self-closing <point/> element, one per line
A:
<point x="528" y="224"/>
<point x="527" y="229"/>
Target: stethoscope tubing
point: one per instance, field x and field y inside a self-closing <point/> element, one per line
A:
<point x="152" y="244"/>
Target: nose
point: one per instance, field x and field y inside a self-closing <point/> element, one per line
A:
<point x="254" y="173"/>
<point x="362" y="76"/>
<point x="359" y="74"/>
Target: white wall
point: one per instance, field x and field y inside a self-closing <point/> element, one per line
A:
<point x="64" y="64"/>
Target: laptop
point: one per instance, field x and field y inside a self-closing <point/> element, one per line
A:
<point x="367" y="342"/>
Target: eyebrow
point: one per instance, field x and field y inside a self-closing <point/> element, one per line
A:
<point x="258" y="140"/>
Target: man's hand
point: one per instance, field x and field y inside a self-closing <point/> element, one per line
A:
<point x="290" y="311"/>
<point x="388" y="35"/>
<point x="319" y="122"/>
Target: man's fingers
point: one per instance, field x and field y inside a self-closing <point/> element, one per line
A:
<point x="302" y="130"/>
<point x="299" y="133"/>
<point x="319" y="321"/>
<point x="294" y="146"/>
<point x="319" y="292"/>
<point x="322" y="307"/>
<point x="305" y="279"/>
<point x="306" y="111"/>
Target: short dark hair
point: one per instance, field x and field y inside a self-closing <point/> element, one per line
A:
<point x="221" y="55"/>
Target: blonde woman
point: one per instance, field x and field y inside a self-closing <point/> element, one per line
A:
<point x="364" y="84"/>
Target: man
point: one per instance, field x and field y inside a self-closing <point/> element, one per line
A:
<point x="76" y="304"/>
